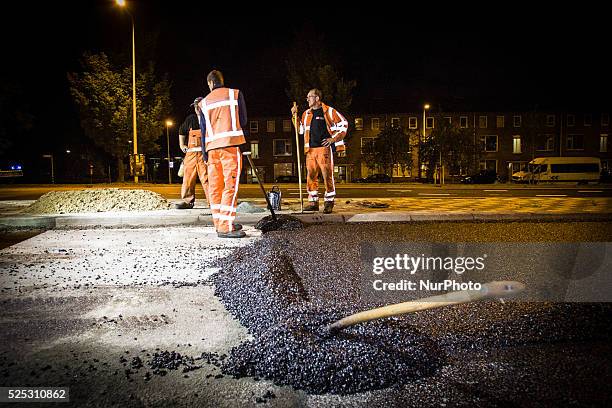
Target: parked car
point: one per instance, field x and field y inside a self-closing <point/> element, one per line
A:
<point x="374" y="178"/>
<point x="482" y="177"/>
<point x="288" y="179"/>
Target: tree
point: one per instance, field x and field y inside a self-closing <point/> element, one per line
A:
<point x="103" y="94"/>
<point x="310" y="65"/>
<point x="451" y="144"/>
<point x="390" y="148"/>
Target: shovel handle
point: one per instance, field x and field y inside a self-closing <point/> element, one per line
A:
<point x="263" y="190"/>
<point x="496" y="289"/>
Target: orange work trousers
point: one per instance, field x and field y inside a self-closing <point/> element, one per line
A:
<point x="320" y="160"/>
<point x="224" y="167"/>
<point x="194" y="168"/>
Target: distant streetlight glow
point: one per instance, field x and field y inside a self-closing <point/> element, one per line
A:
<point x="120" y="3"/>
<point x="67" y="151"/>
<point x="169" y="123"/>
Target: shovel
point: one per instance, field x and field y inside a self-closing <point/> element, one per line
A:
<point x="495" y="289"/>
<point x="263" y="190"/>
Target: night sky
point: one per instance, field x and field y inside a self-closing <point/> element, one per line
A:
<point x="398" y="64"/>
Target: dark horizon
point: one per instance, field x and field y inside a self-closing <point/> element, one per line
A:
<point x="398" y="67"/>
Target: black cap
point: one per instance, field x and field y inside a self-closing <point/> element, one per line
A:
<point x="196" y="101"/>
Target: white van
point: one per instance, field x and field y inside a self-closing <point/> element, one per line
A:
<point x="552" y="169"/>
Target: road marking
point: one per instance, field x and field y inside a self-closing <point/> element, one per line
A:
<point x="495" y="191"/>
<point x="434" y="194"/>
<point x="590" y="191"/>
<point x="551" y="195"/>
<point x="401" y="191"/>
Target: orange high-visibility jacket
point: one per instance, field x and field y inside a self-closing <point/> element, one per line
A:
<point x="220" y="110"/>
<point x="337" y="126"/>
<point x="195" y="136"/>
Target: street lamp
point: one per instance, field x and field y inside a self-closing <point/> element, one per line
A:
<point x="425" y="108"/>
<point x="168" y="124"/>
<point x="122" y="4"/>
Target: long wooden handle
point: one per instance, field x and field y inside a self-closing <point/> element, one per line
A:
<point x="297" y="152"/>
<point x="497" y="289"/>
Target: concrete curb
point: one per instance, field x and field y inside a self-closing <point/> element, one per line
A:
<point x="160" y="219"/>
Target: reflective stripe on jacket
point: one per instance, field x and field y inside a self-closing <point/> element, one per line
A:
<point x="220" y="110"/>
<point x="337" y="126"/>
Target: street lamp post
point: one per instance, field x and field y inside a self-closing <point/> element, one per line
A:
<point x="50" y="156"/>
<point x="122" y="3"/>
<point x="425" y="108"/>
<point x="168" y="124"/>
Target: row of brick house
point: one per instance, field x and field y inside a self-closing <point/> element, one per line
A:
<point x="509" y="139"/>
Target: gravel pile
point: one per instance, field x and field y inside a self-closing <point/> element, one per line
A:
<point x="97" y="200"/>
<point x="287" y="287"/>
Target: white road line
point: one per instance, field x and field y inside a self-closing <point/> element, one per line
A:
<point x="590" y="191"/>
<point x="551" y="195"/>
<point x="495" y="191"/>
<point x="401" y="191"/>
<point x="434" y="194"/>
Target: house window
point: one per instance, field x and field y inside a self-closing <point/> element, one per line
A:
<point x="283" y="169"/>
<point x="499" y="121"/>
<point x="412" y="122"/>
<point x="516" y="144"/>
<point x="286" y="125"/>
<point x="603" y="143"/>
<point x="516" y="120"/>
<point x="575" y="142"/>
<point x="366" y="141"/>
<point x="358" y="123"/>
<point x="448" y="120"/>
<point x="254" y="126"/>
<point x="375" y="124"/>
<point x="550" y="120"/>
<point x="395" y="122"/>
<point x="271" y="126"/>
<point x="463" y="122"/>
<point x="255" y="149"/>
<point x="282" y="147"/>
<point x="488" y="165"/>
<point x="605" y="119"/>
<point x="489" y="142"/>
<point x="401" y="171"/>
<point x="546" y="142"/>
<point x="588" y="119"/>
<point x="482" y="122"/>
<point x="429" y="123"/>
<point x="571" y="120"/>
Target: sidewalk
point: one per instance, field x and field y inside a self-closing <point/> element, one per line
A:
<point x="345" y="211"/>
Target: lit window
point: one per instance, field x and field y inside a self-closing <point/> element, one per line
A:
<point x="412" y="122"/>
<point x="395" y="122"/>
<point x="482" y="122"/>
<point x="375" y="124"/>
<point x="271" y="126"/>
<point x="499" y="121"/>
<point x="358" y="123"/>
<point x="255" y="150"/>
<point x="516" y="144"/>
<point x="603" y="143"/>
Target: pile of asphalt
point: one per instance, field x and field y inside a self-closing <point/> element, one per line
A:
<point x="288" y="286"/>
<point x="97" y="200"/>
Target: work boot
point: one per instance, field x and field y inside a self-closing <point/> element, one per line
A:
<point x="237" y="227"/>
<point x="231" y="234"/>
<point x="313" y="206"/>
<point x="329" y="206"/>
<point x="183" y="206"/>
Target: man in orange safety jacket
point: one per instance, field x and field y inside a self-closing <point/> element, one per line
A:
<point x="324" y="129"/>
<point x="223" y="120"/>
